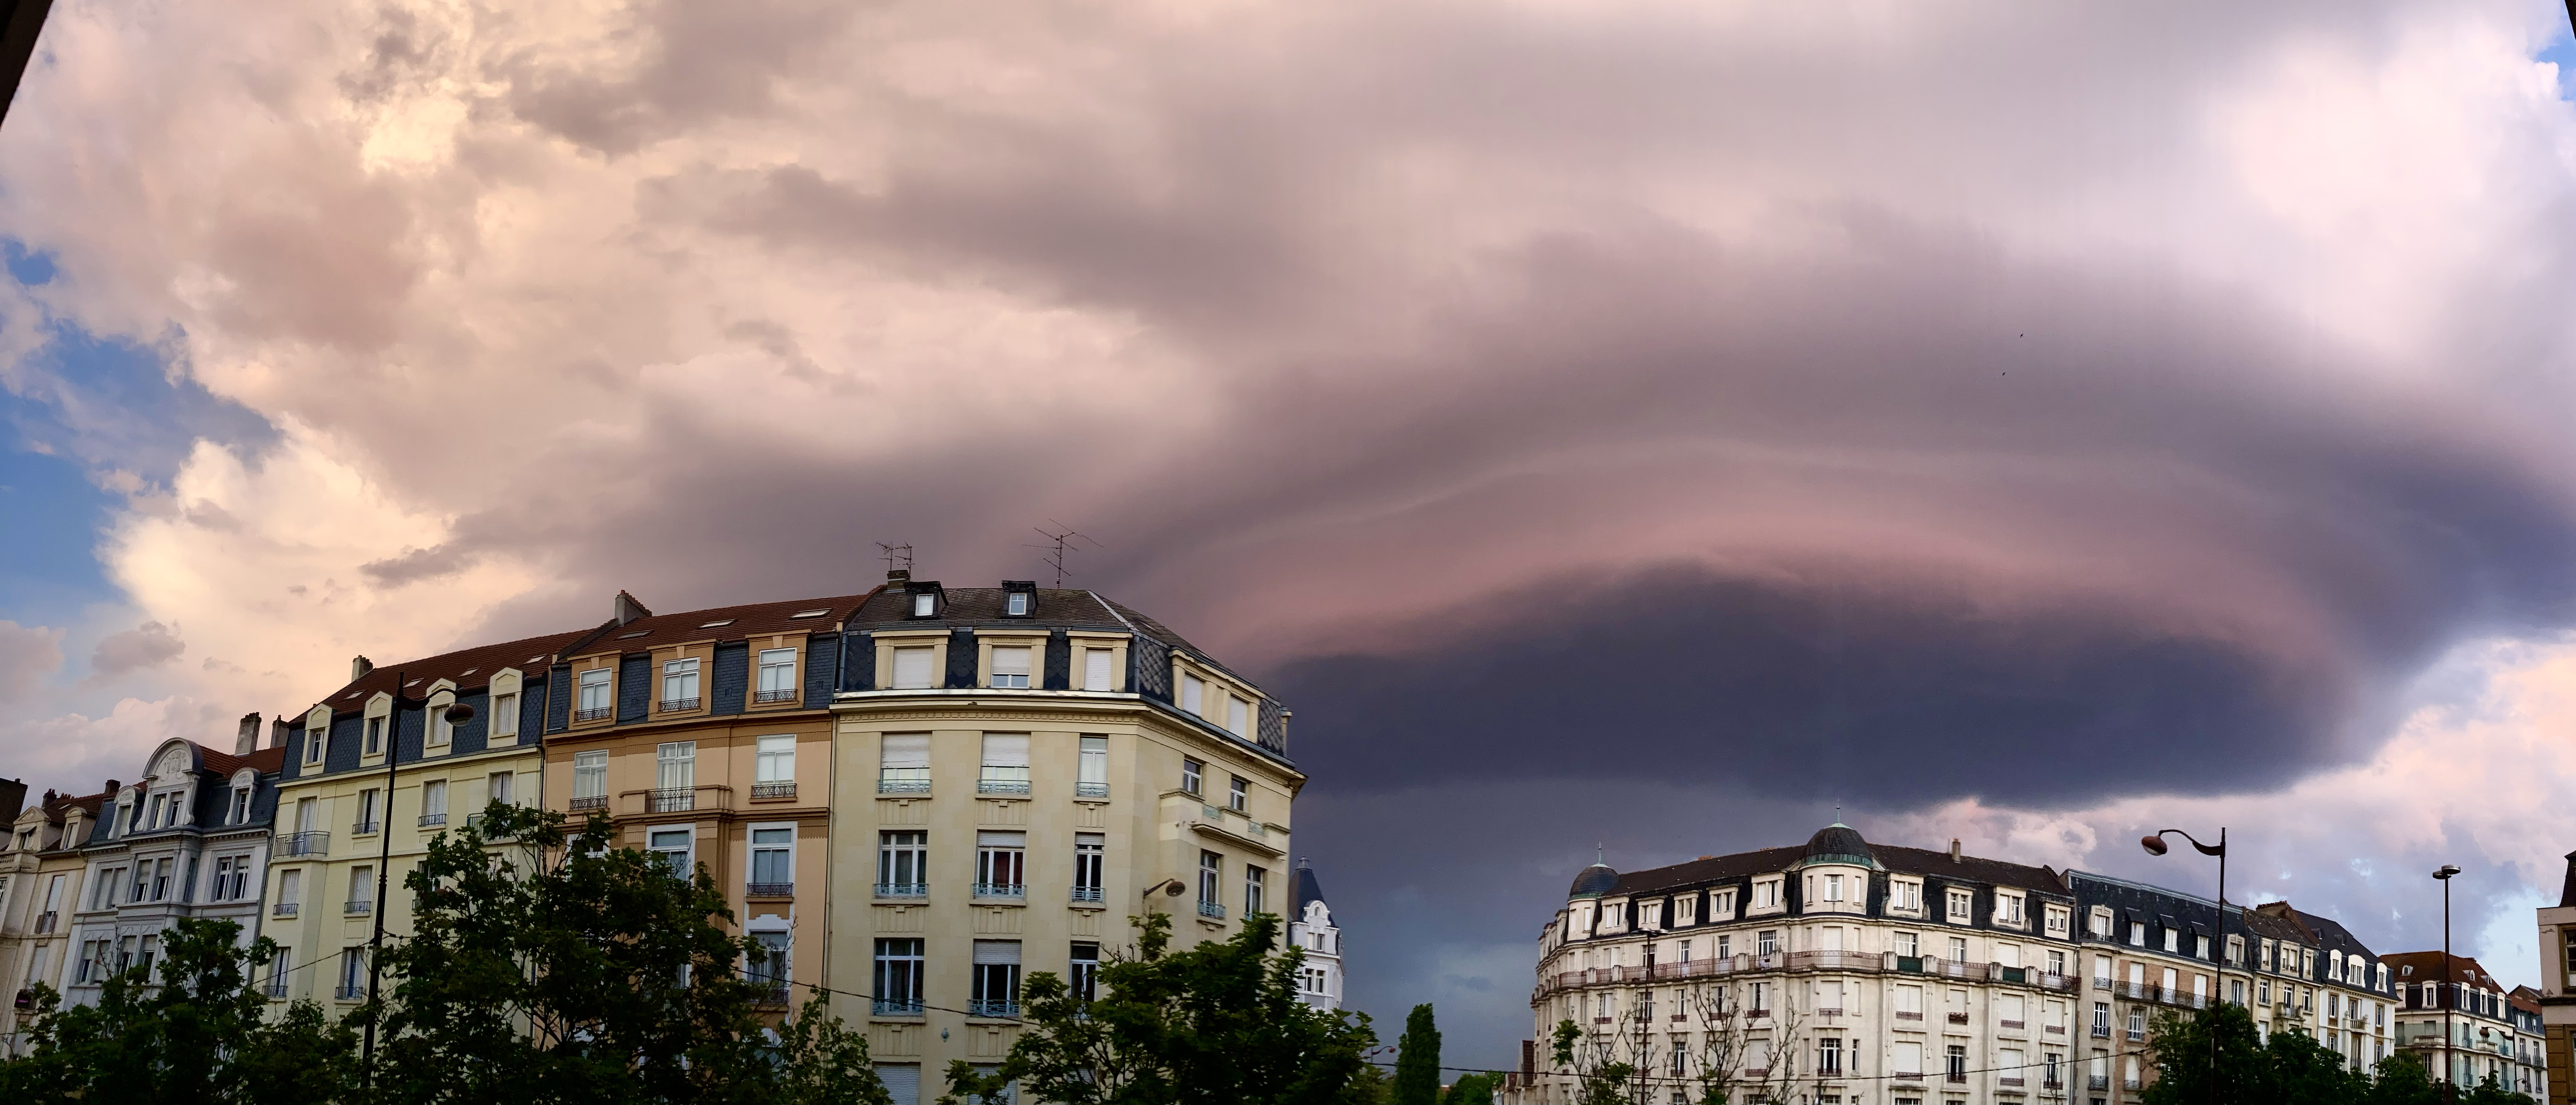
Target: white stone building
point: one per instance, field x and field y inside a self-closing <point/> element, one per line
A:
<point x="1312" y="929"/>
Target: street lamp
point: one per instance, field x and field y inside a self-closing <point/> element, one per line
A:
<point x="2443" y="991"/>
<point x="2155" y="845"/>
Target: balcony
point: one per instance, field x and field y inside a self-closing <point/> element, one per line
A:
<point x="2009" y="1080"/>
<point x="1958" y="1018"/>
<point x="788" y="695"/>
<point x="769" y="890"/>
<point x="1906" y="1076"/>
<point x="1091" y="790"/>
<point x="903" y="890"/>
<point x="599" y="713"/>
<point x="767" y="792"/>
<point x="1012" y="891"/>
<point x="2101" y="1032"/>
<point x="2097" y="1082"/>
<point x="282" y="909"/>
<point x="998" y="1007"/>
<point x="349" y="993"/>
<point x="896" y="1007"/>
<point x="2130" y="1084"/>
<point x="904" y="780"/>
<point x="304" y="844"/>
<point x="590" y="802"/>
<point x="2051" y="1084"/>
<point x="1001" y="786"/>
<point x="429" y="819"/>
<point x="366" y="828"/>
<point x="2009" y="1026"/>
<point x="1086" y="893"/>
<point x="45" y="921"/>
<point x="1212" y="909"/>
<point x="672" y="800"/>
<point x="1956" y="1078"/>
<point x="705" y="796"/>
<point x="770" y="992"/>
<point x="357" y="909"/>
<point x="274" y="989"/>
<point x="1909" y="1015"/>
<point x="676" y="705"/>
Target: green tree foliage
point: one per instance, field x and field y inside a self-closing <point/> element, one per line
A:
<point x="192" y="1031"/>
<point x="1470" y="1089"/>
<point x="560" y="970"/>
<point x="1417" y="1060"/>
<point x="1600" y="1079"/>
<point x="1217" y="1023"/>
<point x="2403" y="1080"/>
<point x="2297" y="1070"/>
<point x="2489" y="1091"/>
<point x="2287" y="1068"/>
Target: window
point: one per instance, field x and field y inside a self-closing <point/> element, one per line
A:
<point x="1095" y="669"/>
<point x="1909" y="1059"/>
<point x="1904" y="894"/>
<point x="353" y="975"/>
<point x="773" y="860"/>
<point x="1829" y="1056"/>
<point x="315" y="740"/>
<point x="2137" y="1024"/>
<point x="362" y="890"/>
<point x="675" y="777"/>
<point x="996" y="990"/>
<point x="1016" y="604"/>
<point x="1766" y="942"/>
<point x="220" y="889"/>
<point x="1006" y="764"/>
<point x="2098" y="923"/>
<point x="912" y="668"/>
<point x="1962" y="903"/>
<point x="1958" y="949"/>
<point x="1211" y="867"/>
<point x="1090" y="854"/>
<point x="903" y="864"/>
<point x="161" y="880"/>
<point x="773" y="772"/>
<point x="1766" y="893"/>
<point x="290" y="891"/>
<point x="1833" y="888"/>
<point x="433" y="801"/>
<point x="770" y="970"/>
<point x="366" y="812"/>
<point x="1011" y="667"/>
<point x="674" y="847"/>
<point x="777" y="676"/>
<point x="597" y="700"/>
<point x="1721" y="905"/>
<point x="1238" y="716"/>
<point x="239" y="812"/>
<point x="2102" y="1019"/>
<point x="1238" y="795"/>
<point x="2235" y="949"/>
<point x="505" y="716"/>
<point x="442" y="732"/>
<point x="589" y="781"/>
<point x="680" y="684"/>
<point x="375" y="745"/>
<point x="1253" y="886"/>
<point x="1091" y="774"/>
<point x="1001" y="864"/>
<point x="924" y="604"/>
<point x="900" y="977"/>
<point x="1955" y="1062"/>
<point x="1909" y="945"/>
<point x="903" y="764"/>
<point x="1190" y="772"/>
<point x="2057" y="963"/>
<point x="1193" y="692"/>
<point x="497" y="787"/>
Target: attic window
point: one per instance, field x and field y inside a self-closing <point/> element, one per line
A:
<point x="537" y="659"/>
<point x="637" y="633"/>
<point x="811" y="613"/>
<point x="466" y="672"/>
<point x="715" y="623"/>
<point x="354" y="694"/>
<point x="924" y="604"/>
<point x="1017" y="605"/>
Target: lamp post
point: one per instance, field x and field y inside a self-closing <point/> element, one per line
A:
<point x="457" y="714"/>
<point x="2443" y="991"/>
<point x="2155" y="845"/>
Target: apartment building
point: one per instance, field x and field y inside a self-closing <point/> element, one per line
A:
<point x="41" y="871"/>
<point x="189" y="839"/>
<point x="371" y="774"/>
<point x="1015" y="771"/>
<point x="2557" y="998"/>
<point x="2530" y="1044"/>
<point x="706" y="737"/>
<point x="1311" y="927"/>
<point x="1842" y="970"/>
<point x="2457" y="1017"/>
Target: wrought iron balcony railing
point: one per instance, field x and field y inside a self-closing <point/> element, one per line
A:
<point x="1212" y="909"/>
<point x="1086" y="893"/>
<point x="788" y="695"/>
<point x="996" y="1007"/>
<point x="773" y="790"/>
<point x="1001" y="890"/>
<point x="903" y="890"/>
<point x="769" y="890"/>
<point x="304" y="844"/>
<point x="590" y="802"/>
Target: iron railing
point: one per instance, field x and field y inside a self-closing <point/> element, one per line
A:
<point x="304" y="844"/>
<point x="1001" y="786"/>
<point x="282" y="909"/>
<point x="590" y="802"/>
<point x="1212" y="909"/>
<point x="356" y="908"/>
<point x="788" y="695"/>
<point x="769" y="890"/>
<point x="903" y="890"/>
<point x="349" y="993"/>
<point x="275" y="989"/>
<point x="993" y="1007"/>
<point x="1086" y="893"/>
<point x="675" y="705"/>
<point x="1091" y="790"/>
<point x="672" y="800"/>
<point x="365" y="828"/>
<point x="909" y="781"/>
<point x="429" y="819"/>
<point x="45" y="921"/>
<point x="1000" y="890"/>
<point x="772" y="790"/>
<point x="895" y="1007"/>
<point x="594" y="714"/>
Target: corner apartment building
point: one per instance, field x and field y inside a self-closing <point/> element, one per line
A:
<point x="1014" y="771"/>
<point x="2457" y="1017"/>
<point x="190" y="839"/>
<point x="41" y="872"/>
<point x="370" y="775"/>
<point x="2530" y="1050"/>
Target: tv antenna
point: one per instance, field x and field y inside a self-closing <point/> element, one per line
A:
<point x="1059" y="543"/>
<point x="892" y="553"/>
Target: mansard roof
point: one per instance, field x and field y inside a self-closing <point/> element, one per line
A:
<point x="2423" y="967"/>
<point x="722" y="623"/>
<point x="1926" y="862"/>
<point x="468" y="668"/>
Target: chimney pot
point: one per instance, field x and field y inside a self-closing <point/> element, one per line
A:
<point x="359" y="666"/>
<point x="247" y="739"/>
<point x="1954" y="849"/>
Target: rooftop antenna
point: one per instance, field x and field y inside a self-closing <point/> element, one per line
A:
<point x="1058" y="544"/>
<point x="892" y="553"/>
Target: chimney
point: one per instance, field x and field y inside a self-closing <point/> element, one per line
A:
<point x="1529" y="1060"/>
<point x="898" y="575"/>
<point x="628" y="609"/>
<point x="2567" y="894"/>
<point x="1954" y="849"/>
<point x="13" y="798"/>
<point x="359" y="666"/>
<point x="277" y="733"/>
<point x="112" y="787"/>
<point x="246" y="738"/>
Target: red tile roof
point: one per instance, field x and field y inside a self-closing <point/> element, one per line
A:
<point x="468" y="668"/>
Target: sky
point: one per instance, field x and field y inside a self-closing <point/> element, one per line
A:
<point x="1658" y="428"/>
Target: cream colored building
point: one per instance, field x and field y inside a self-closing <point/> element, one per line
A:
<point x="1014" y="772"/>
<point x="342" y="818"/>
<point x="41" y="880"/>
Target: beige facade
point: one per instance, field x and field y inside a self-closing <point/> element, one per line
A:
<point x="41" y="881"/>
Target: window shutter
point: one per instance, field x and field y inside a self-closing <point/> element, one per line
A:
<point x="989" y="839"/>
<point x="1006" y="750"/>
<point x="1095" y="669"/>
<point x="902" y="1082"/>
<point x="912" y="669"/>
<point x="997" y="952"/>
<point x="1011" y="661"/>
<point x="907" y="750"/>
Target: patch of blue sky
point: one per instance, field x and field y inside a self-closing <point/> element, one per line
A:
<point x="81" y="406"/>
<point x="2561" y="51"/>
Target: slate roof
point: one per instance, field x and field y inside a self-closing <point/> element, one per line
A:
<point x="468" y="668"/>
<point x="720" y="623"/>
<point x="982" y="607"/>
<point x="2328" y="934"/>
<point x="1308" y="890"/>
<point x="272" y="758"/>
<point x="2420" y="967"/>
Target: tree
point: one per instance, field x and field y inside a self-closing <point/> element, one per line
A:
<point x="1219" y="1022"/>
<point x="2184" y="1076"/>
<point x="2403" y="1080"/>
<point x="2300" y="1071"/>
<point x="197" y="1034"/>
<point x="2488" y="1091"/>
<point x="543" y="969"/>
<point x="1470" y="1089"/>
<point x="1417" y="1060"/>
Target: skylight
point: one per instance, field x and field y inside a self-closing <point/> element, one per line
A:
<point x="715" y="623"/>
<point x="468" y="671"/>
<point x="637" y="633"/>
<point x="811" y="613"/>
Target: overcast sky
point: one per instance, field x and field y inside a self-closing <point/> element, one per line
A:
<point x="1645" y="426"/>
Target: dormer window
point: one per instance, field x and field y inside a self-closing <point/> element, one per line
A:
<point x="314" y="740"/>
<point x="1017" y="605"/>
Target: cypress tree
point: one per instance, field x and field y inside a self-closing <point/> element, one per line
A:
<point x="1417" y="1060"/>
